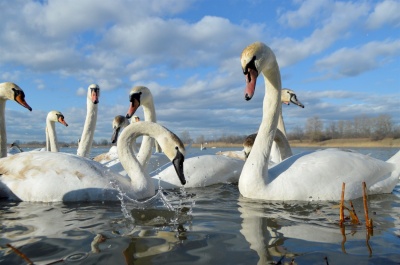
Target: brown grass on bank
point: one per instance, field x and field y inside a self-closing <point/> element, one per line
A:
<point x="356" y="142"/>
<point x="344" y="143"/>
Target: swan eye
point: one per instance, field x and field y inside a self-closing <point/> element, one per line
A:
<point x="135" y="96"/>
<point x="95" y="89"/>
<point x="18" y="93"/>
<point x="250" y="65"/>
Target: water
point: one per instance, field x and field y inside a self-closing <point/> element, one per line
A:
<point x="213" y="225"/>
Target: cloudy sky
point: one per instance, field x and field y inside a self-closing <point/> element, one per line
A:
<point x="340" y="57"/>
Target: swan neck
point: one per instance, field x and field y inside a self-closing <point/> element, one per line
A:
<point x="147" y="144"/>
<point x="140" y="179"/>
<point x="3" y="135"/>
<point x="89" y="127"/>
<point x="254" y="177"/>
<point x="51" y="136"/>
<point x="281" y="123"/>
<point x="283" y="145"/>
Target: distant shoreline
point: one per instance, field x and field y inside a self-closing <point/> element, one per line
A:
<point x="345" y="143"/>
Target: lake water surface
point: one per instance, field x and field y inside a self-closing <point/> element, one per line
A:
<point x="212" y="225"/>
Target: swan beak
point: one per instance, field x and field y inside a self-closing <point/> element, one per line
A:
<point x="178" y="165"/>
<point x="295" y="101"/>
<point x="20" y="98"/>
<point x="62" y="121"/>
<point x="114" y="137"/>
<point x="135" y="103"/>
<point x="95" y="96"/>
<point x="251" y="77"/>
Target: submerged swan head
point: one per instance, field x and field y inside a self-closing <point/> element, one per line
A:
<point x="11" y="91"/>
<point x="255" y="57"/>
<point x="139" y="95"/>
<point x="56" y="116"/>
<point x="93" y="93"/>
<point x="119" y="122"/>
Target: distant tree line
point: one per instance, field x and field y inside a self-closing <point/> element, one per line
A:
<point x="374" y="128"/>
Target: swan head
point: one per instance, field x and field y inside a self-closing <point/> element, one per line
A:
<point x="255" y="58"/>
<point x="174" y="149"/>
<point x="119" y="122"/>
<point x="94" y="93"/>
<point x="11" y="91"/>
<point x="56" y="116"/>
<point x="139" y="95"/>
<point x="288" y="96"/>
<point x="248" y="144"/>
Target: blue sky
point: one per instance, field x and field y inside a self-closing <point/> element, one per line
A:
<point x="340" y="57"/>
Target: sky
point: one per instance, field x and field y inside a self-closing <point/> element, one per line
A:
<point x="340" y="57"/>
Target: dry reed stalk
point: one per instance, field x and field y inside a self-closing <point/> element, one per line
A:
<point x="341" y="209"/>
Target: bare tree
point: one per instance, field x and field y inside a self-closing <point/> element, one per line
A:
<point x="382" y="127"/>
<point x="314" y="128"/>
<point x="185" y="137"/>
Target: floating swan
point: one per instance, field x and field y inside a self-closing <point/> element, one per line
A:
<point x="50" y="177"/>
<point x="308" y="176"/>
<point x="92" y="99"/>
<point x="8" y="91"/>
<point x="51" y="135"/>
<point x="288" y="96"/>
<point x="141" y="96"/>
<point x="110" y="159"/>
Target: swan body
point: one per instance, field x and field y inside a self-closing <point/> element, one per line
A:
<point x="50" y="177"/>
<point x="9" y="91"/>
<point x="202" y="171"/>
<point x="92" y="100"/>
<point x="308" y="176"/>
<point x="51" y="135"/>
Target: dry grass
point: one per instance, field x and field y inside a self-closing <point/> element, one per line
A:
<point x="361" y="142"/>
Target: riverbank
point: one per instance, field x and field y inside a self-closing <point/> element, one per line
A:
<point x="341" y="143"/>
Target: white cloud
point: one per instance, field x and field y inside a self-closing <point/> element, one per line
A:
<point x="81" y="91"/>
<point x="308" y="11"/>
<point x="386" y="12"/>
<point x="354" y="61"/>
<point x="335" y="26"/>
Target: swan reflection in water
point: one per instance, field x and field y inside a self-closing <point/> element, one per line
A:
<point x="285" y="231"/>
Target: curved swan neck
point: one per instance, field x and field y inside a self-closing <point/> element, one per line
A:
<point x="281" y="123"/>
<point x="3" y="135"/>
<point x="283" y="144"/>
<point x="86" y="141"/>
<point x="137" y="173"/>
<point x="146" y="147"/>
<point x="255" y="169"/>
<point x="51" y="136"/>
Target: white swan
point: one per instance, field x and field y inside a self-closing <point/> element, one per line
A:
<point x="141" y="96"/>
<point x="308" y="176"/>
<point x="110" y="159"/>
<point x="201" y="171"/>
<point x="8" y="91"/>
<point x="288" y="96"/>
<point x="92" y="99"/>
<point x="49" y="177"/>
<point x="51" y="135"/>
